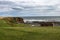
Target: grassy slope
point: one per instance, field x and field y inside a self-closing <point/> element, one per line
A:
<point x="4" y="23"/>
<point x="24" y="32"/>
<point x="29" y="33"/>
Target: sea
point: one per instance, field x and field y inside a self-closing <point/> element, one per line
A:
<point x="54" y="18"/>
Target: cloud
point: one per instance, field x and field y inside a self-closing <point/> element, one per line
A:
<point x="30" y="7"/>
<point x="37" y="2"/>
<point x="6" y="6"/>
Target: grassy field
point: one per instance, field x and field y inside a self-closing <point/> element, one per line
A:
<point x="26" y="32"/>
<point x="29" y="33"/>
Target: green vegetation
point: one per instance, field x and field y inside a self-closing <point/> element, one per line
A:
<point x="26" y="32"/>
<point x="29" y="33"/>
<point x="4" y="23"/>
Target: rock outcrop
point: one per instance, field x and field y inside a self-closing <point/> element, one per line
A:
<point x="1" y="17"/>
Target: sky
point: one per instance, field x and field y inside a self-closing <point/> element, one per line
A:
<point x="29" y="8"/>
<point x="39" y="2"/>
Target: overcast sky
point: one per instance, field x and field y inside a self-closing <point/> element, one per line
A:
<point x="29" y="7"/>
<point x="39" y="2"/>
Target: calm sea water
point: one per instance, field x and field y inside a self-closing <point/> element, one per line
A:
<point x="42" y="18"/>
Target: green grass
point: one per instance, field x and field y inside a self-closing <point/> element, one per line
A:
<point x="29" y="33"/>
<point x="26" y="32"/>
<point x="4" y="23"/>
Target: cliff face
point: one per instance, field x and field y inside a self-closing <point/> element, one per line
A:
<point x="13" y="19"/>
<point x="19" y="20"/>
